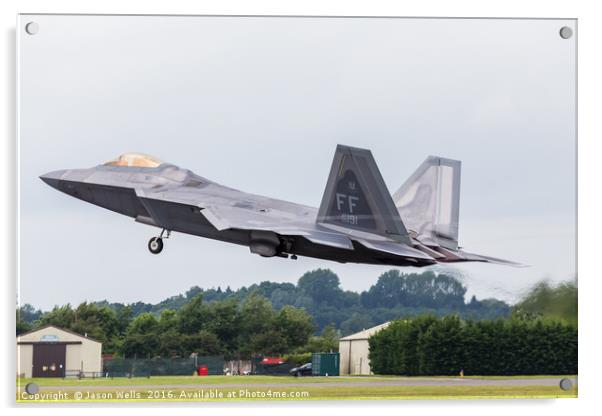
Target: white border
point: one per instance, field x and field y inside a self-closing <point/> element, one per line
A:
<point x="590" y="35"/>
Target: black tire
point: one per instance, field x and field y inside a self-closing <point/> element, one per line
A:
<point x="155" y="245"/>
<point x="297" y="374"/>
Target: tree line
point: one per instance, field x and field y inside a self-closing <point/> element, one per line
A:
<point x="319" y="292"/>
<point x="230" y="328"/>
<point x="264" y="318"/>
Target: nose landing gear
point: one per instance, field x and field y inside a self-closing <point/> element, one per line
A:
<point x="155" y="244"/>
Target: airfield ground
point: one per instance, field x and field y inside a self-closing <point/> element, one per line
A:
<point x="265" y="388"/>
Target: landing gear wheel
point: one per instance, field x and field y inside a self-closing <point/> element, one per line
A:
<point x="155" y="245"/>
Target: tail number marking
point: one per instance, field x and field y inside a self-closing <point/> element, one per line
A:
<point x="348" y="202"/>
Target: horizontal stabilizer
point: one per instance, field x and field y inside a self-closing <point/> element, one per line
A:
<point x="487" y="259"/>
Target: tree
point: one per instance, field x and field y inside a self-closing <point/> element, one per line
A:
<point x="193" y="291"/>
<point x="98" y="323"/>
<point x="552" y="301"/>
<point x="356" y="322"/>
<point x="257" y="319"/>
<point x="257" y="314"/>
<point x="322" y="285"/>
<point x="418" y="290"/>
<point x="124" y="317"/>
<point x="327" y="341"/>
<point x="192" y="316"/>
<point x="170" y="339"/>
<point x="142" y="337"/>
<point x="60" y="316"/>
<point x="29" y="314"/>
<point x="386" y="292"/>
<point x="26" y="317"/>
<point x="295" y="326"/>
<point x="202" y="342"/>
<point x="268" y="342"/>
<point x="22" y="325"/>
<point x="224" y="321"/>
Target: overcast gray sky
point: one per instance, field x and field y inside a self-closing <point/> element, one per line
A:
<point x="259" y="104"/>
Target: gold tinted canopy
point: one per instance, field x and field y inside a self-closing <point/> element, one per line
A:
<point x="135" y="160"/>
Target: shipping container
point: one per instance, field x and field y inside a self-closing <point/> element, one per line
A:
<point x="325" y="364"/>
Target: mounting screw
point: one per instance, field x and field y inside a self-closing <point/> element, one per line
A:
<point x="31" y="388"/>
<point x="32" y="28"/>
<point x="566" y="32"/>
<point x="566" y="384"/>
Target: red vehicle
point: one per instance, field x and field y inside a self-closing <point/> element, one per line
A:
<point x="271" y="361"/>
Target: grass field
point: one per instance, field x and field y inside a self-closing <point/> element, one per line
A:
<point x="233" y="388"/>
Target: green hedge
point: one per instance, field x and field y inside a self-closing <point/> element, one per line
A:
<point x="444" y="346"/>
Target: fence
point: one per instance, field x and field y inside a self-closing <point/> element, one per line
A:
<point x="132" y="367"/>
<point x="78" y="374"/>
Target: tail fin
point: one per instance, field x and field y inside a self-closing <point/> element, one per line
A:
<point x="429" y="201"/>
<point x="356" y="196"/>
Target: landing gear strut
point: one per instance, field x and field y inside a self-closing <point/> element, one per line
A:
<point x="155" y="244"/>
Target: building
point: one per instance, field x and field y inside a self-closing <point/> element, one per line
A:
<point x="354" y="351"/>
<point x="50" y="351"/>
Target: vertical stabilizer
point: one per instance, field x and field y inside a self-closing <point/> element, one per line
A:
<point x="429" y="201"/>
<point x="356" y="196"/>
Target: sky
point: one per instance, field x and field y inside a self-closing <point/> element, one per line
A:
<point x="259" y="104"/>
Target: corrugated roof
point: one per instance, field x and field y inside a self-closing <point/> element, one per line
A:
<point x="366" y="333"/>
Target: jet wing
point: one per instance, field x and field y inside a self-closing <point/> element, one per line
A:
<point x="244" y="217"/>
<point x="228" y="217"/>
<point x="294" y="221"/>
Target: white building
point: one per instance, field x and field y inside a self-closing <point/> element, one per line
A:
<point x="54" y="352"/>
<point x="354" y="351"/>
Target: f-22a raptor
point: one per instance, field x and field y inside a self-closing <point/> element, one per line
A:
<point x="358" y="220"/>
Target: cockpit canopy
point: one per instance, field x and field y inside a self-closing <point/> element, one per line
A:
<point x="135" y="160"/>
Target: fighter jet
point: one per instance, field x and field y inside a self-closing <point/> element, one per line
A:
<point x="358" y="220"/>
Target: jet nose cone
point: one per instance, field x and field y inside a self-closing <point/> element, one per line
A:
<point x="53" y="178"/>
